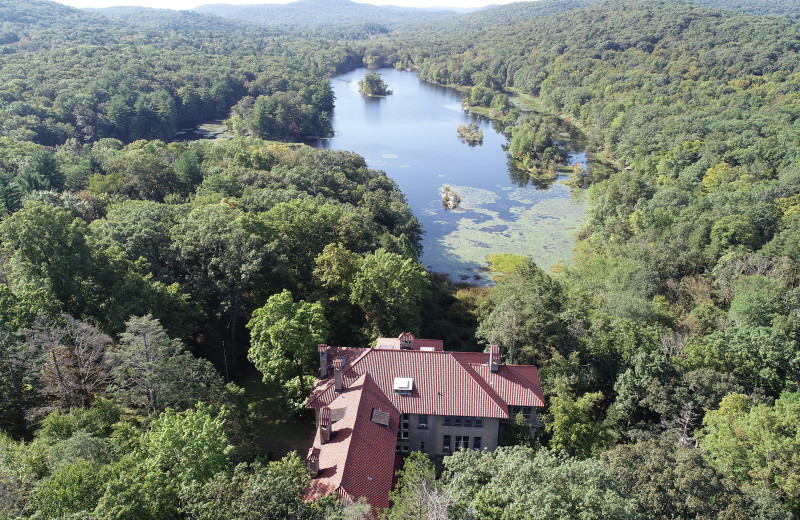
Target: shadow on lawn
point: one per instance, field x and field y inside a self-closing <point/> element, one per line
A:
<point x="277" y="435"/>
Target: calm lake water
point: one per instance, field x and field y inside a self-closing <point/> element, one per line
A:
<point x="411" y="135"/>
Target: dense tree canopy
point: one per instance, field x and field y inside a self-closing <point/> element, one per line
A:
<point x="130" y="263"/>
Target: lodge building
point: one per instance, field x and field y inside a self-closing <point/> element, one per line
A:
<point x="403" y="395"/>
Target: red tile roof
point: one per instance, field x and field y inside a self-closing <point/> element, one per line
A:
<point x="445" y="383"/>
<point x="478" y="358"/>
<point x="517" y="385"/>
<point x="359" y="458"/>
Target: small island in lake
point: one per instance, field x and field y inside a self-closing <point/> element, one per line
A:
<point x="470" y="134"/>
<point x="450" y="199"/>
<point x="372" y="85"/>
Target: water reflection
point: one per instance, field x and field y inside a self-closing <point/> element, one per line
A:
<point x="541" y="178"/>
<point x="372" y="110"/>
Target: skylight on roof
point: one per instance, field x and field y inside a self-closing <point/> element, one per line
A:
<point x="403" y="385"/>
<point x="427" y="349"/>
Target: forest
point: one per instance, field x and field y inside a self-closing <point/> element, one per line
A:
<point x="142" y="275"/>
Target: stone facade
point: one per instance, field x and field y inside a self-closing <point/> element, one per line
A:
<point x="440" y="435"/>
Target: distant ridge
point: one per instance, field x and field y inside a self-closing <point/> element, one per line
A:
<point x="309" y="13"/>
<point x="152" y="18"/>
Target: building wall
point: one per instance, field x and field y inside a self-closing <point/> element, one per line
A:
<point x="488" y="433"/>
<point x="431" y="439"/>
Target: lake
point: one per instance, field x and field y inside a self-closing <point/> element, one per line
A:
<point x="412" y="136"/>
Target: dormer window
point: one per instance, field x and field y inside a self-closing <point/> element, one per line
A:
<point x="406" y="341"/>
<point x="403" y="385"/>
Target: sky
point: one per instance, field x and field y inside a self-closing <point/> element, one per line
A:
<point x="188" y="4"/>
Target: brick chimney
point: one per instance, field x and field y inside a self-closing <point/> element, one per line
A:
<point x="494" y="358"/>
<point x="312" y="462"/>
<point x="337" y="375"/>
<point x="325" y="424"/>
<point x="323" y="360"/>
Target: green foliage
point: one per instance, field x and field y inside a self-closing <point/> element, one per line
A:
<point x="47" y="248"/>
<point x="284" y="339"/>
<point x="153" y="372"/>
<point x="670" y="481"/>
<point x="219" y="255"/>
<point x="760" y="357"/>
<point x="572" y="425"/>
<point x="73" y="489"/>
<point x="279" y="116"/>
<point x="522" y="314"/>
<point x="416" y="492"/>
<point x="757" y="301"/>
<point x="337" y="13"/>
<point x="470" y="134"/>
<point x="684" y="289"/>
<point x="389" y="290"/>
<point x="756" y="444"/>
<point x="178" y="453"/>
<point x="373" y="85"/>
<point x="535" y="142"/>
<point x="517" y="482"/>
<point x="252" y="492"/>
<point x="516" y="432"/>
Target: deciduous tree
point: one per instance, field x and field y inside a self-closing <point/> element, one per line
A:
<point x="284" y="339"/>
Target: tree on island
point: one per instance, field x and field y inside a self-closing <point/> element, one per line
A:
<point x="470" y="134"/>
<point x="373" y="85"/>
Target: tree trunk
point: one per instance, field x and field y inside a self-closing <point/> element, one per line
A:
<point x="60" y="377"/>
<point x="302" y="382"/>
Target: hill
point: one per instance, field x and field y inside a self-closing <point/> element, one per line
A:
<point x="311" y="13"/>
<point x="167" y="19"/>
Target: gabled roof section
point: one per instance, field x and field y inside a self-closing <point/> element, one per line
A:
<point x="517" y="385"/>
<point x="406" y="339"/>
<point x="443" y="383"/>
<point x="477" y="358"/>
<point x="359" y="458"/>
<point x="348" y="355"/>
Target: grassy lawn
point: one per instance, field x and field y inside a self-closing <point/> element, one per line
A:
<point x="277" y="435"/>
<point x="526" y="103"/>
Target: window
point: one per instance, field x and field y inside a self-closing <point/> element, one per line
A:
<point x="404" y="435"/>
<point x="405" y="422"/>
<point x="476" y="443"/>
<point x="526" y="413"/>
<point x="514" y="410"/>
<point x="421" y="446"/>
<point x="479" y="422"/>
<point x="397" y="449"/>
<point x="462" y="441"/>
<point x="448" y="420"/>
<point x="446" y="443"/>
<point x="404" y="449"/>
<point x="457" y="421"/>
<point x="422" y="421"/>
<point x="467" y="421"/>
